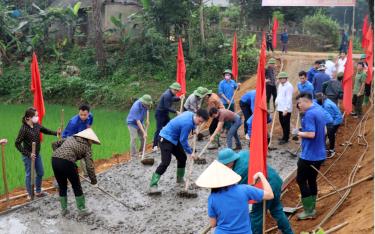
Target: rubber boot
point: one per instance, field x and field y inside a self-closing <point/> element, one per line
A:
<point x="308" y="209"/>
<point x="180" y="175"/>
<point x="313" y="198"/>
<point x="64" y="205"/>
<point x="154" y="184"/>
<point x="365" y="100"/>
<point x="81" y="205"/>
<point x="217" y="139"/>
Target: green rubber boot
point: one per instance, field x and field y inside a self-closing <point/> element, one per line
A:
<point x="180" y="175"/>
<point x="217" y="139"/>
<point x="365" y="100"/>
<point x="81" y="205"/>
<point x="64" y="205"/>
<point x="308" y="209"/>
<point x="313" y="198"/>
<point x="154" y="185"/>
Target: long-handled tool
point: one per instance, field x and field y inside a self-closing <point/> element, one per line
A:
<point x="272" y="127"/>
<point x="148" y="160"/>
<point x="199" y="159"/>
<point x="295" y="154"/>
<point x="182" y="103"/>
<point x="108" y="194"/>
<point x="295" y="137"/>
<point x="33" y="150"/>
<point x="4" y="174"/>
<point x="185" y="193"/>
<point x="61" y="122"/>
<point x="231" y="100"/>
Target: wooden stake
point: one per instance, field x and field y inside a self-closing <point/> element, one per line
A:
<point x="33" y="151"/>
<point x="61" y="123"/>
<point x="4" y="174"/>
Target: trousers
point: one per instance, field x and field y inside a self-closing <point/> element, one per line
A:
<point x="331" y="133"/>
<point x="246" y="111"/>
<point x="306" y="177"/>
<point x="65" y="170"/>
<point x="39" y="172"/>
<point x="134" y="134"/>
<point x="161" y="120"/>
<point x="167" y="149"/>
<point x="285" y="124"/>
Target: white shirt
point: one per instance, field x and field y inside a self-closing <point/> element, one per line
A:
<point x="341" y="65"/>
<point x="284" y="99"/>
<point x="330" y="68"/>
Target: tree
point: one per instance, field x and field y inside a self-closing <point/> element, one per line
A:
<point x="99" y="48"/>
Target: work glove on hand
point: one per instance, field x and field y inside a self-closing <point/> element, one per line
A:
<point x="295" y="132"/>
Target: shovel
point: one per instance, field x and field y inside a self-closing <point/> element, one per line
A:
<point x="146" y="161"/>
<point x="33" y="150"/>
<point x="199" y="160"/>
<point x="294" y="154"/>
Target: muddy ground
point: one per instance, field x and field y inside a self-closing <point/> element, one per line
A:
<point x="143" y="214"/>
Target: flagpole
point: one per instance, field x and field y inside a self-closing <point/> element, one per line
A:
<point x="353" y="22"/>
<point x="264" y="217"/>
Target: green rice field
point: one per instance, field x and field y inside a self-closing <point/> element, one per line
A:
<point x="108" y="125"/>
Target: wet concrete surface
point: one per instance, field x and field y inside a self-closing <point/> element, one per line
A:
<point x="129" y="182"/>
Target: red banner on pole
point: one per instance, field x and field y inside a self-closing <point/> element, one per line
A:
<point x="348" y="81"/>
<point x="370" y="55"/>
<point x="365" y="27"/>
<point x="181" y="69"/>
<point x="234" y="57"/>
<point x="274" y="32"/>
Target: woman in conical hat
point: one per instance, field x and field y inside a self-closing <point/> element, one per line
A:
<point x="228" y="202"/>
<point x="63" y="164"/>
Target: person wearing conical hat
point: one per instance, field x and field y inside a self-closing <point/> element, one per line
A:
<point x="228" y="207"/>
<point x="135" y="120"/>
<point x="194" y="101"/>
<point x="284" y="105"/>
<point x="239" y="163"/>
<point x="271" y="89"/>
<point x="163" y="109"/>
<point x="64" y="168"/>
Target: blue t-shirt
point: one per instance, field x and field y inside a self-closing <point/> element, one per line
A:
<point x="249" y="98"/>
<point x="314" y="149"/>
<point x="318" y="81"/>
<point x="307" y="87"/>
<point x="231" y="209"/>
<point x="178" y="130"/>
<point x="333" y="110"/>
<point x="249" y="123"/>
<point x="227" y="88"/>
<point x="137" y="112"/>
<point x="311" y="73"/>
<point x="76" y="125"/>
<point x="326" y="116"/>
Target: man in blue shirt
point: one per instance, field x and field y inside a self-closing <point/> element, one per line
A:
<point x="135" y="121"/>
<point x="164" y="108"/>
<point x="284" y="40"/>
<point x="174" y="140"/>
<point x="337" y="119"/>
<point x="313" y="153"/>
<point x="249" y="123"/>
<point x="239" y="163"/>
<point x="247" y="103"/>
<point x="320" y="78"/>
<point x="79" y="122"/>
<point x="304" y="86"/>
<point x="226" y="89"/>
<point x="313" y="70"/>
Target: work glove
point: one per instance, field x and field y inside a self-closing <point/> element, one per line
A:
<point x="295" y="132"/>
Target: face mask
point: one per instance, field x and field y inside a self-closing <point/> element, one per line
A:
<point x="227" y="76"/>
<point x="35" y="119"/>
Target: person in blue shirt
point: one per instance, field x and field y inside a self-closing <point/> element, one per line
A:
<point x="228" y="208"/>
<point x="239" y="163"/>
<point x="79" y="122"/>
<point x="319" y="79"/>
<point x="313" y="70"/>
<point x="174" y="140"/>
<point x="164" y="108"/>
<point x="284" y="38"/>
<point x="313" y="153"/>
<point x="336" y="114"/>
<point x="226" y="89"/>
<point x="135" y="122"/>
<point x="304" y="86"/>
<point x="249" y="123"/>
<point x="247" y="102"/>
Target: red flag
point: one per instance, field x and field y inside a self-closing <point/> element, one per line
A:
<point x="274" y="32"/>
<point x="348" y="81"/>
<point x="234" y="57"/>
<point x="370" y="55"/>
<point x="36" y="89"/>
<point x="258" y="142"/>
<point x="364" y="32"/>
<point x="181" y="69"/>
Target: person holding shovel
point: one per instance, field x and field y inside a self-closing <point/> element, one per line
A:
<point x="194" y="101"/>
<point x="135" y="121"/>
<point x="224" y="115"/>
<point x="174" y="140"/>
<point x="313" y="153"/>
<point x="73" y="149"/>
<point x="226" y="89"/>
<point x="164" y="108"/>
<point x="228" y="207"/>
<point x="239" y="163"/>
<point x="29" y="133"/>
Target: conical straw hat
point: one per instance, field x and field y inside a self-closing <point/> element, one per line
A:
<point x="217" y="175"/>
<point x="89" y="134"/>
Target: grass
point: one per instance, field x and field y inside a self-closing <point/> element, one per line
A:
<point x="109" y="126"/>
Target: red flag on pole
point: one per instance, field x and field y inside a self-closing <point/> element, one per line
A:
<point x="370" y="55"/>
<point x="364" y="32"/>
<point x="36" y="89"/>
<point x="181" y="69"/>
<point x="274" y="32"/>
<point x="348" y="81"/>
<point x="258" y="142"/>
<point x="234" y="57"/>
